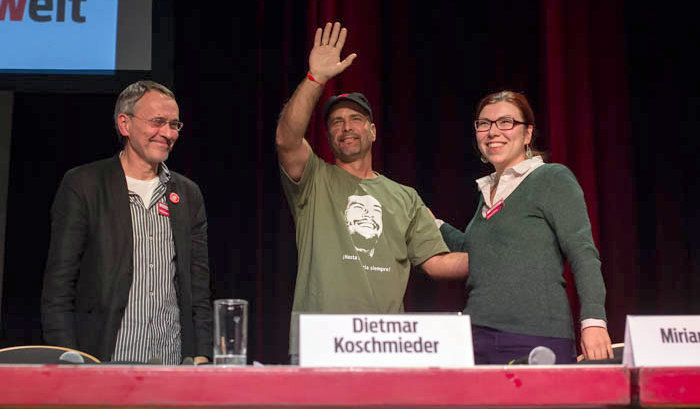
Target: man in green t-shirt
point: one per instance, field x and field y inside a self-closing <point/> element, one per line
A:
<point x="358" y="233"/>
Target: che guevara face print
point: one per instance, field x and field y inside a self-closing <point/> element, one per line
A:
<point x="363" y="216"/>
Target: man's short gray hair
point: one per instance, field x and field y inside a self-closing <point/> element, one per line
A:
<point x="131" y="94"/>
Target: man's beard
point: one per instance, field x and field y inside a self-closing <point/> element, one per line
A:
<point x="350" y="153"/>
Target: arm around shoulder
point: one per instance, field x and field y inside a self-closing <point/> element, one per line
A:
<point x="455" y="239"/>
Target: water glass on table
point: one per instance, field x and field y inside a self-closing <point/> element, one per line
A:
<point x="230" y="331"/>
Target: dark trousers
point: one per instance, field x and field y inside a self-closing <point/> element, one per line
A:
<point x="492" y="347"/>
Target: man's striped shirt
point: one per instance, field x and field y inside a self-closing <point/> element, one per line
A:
<point x="150" y="329"/>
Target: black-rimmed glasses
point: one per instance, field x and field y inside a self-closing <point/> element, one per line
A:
<point x="503" y="123"/>
<point x="158" y="122"/>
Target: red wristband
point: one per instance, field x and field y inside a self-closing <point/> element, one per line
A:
<point x="311" y="77"/>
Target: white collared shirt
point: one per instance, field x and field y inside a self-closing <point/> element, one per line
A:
<point x="509" y="181"/>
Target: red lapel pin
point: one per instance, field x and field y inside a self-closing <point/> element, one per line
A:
<point x="494" y="209"/>
<point x="163" y="209"/>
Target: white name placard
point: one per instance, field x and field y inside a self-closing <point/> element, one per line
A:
<point x="662" y="340"/>
<point x="385" y="340"/>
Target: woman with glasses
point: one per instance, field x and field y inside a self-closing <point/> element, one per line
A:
<point x="531" y="218"/>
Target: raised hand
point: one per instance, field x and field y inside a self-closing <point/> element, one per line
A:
<point x="324" y="59"/>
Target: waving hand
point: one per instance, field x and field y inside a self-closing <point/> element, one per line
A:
<point x="324" y="59"/>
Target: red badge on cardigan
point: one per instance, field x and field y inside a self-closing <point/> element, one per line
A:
<point x="494" y="209"/>
<point x="174" y="198"/>
<point x="163" y="209"/>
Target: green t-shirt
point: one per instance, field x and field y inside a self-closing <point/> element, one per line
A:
<point x="356" y="240"/>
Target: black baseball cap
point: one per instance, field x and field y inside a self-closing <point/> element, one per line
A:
<point x="355" y="97"/>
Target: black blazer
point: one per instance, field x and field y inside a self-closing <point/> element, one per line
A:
<point x="89" y="269"/>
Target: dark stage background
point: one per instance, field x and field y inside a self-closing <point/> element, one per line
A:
<point x="611" y="83"/>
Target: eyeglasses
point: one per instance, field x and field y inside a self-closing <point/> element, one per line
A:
<point x="159" y="122"/>
<point x="503" y="123"/>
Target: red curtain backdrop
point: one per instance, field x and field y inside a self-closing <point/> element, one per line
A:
<point x="588" y="127"/>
